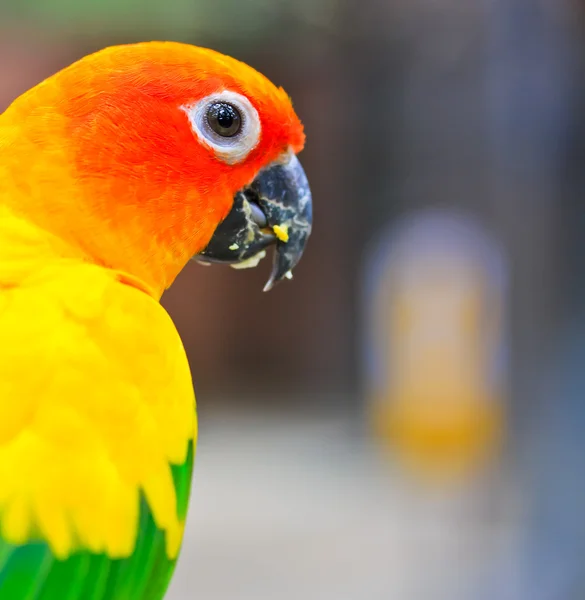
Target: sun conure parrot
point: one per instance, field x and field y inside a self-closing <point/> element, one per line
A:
<point x="114" y="173"/>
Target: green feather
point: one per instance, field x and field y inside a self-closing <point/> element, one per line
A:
<point x="15" y="579"/>
<point x="31" y="572"/>
<point x="96" y="579"/>
<point x="74" y="571"/>
<point x="182" y="479"/>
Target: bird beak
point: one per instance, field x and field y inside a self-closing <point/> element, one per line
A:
<point x="275" y="209"/>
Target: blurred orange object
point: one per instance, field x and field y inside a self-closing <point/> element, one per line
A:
<point x="436" y="344"/>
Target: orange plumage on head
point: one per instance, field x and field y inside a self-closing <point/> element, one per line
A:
<point x="106" y="159"/>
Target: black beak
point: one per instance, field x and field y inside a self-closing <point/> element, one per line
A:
<point x="275" y="209"/>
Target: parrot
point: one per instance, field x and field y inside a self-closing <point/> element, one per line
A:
<point x="115" y="172"/>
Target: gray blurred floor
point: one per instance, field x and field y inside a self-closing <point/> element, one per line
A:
<point x="291" y="508"/>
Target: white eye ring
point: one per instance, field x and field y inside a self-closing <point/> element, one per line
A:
<point x="236" y="148"/>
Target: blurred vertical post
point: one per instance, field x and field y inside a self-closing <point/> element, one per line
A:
<point x="535" y="62"/>
<point x="528" y="80"/>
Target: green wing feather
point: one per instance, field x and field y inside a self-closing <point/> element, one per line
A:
<point x="31" y="572"/>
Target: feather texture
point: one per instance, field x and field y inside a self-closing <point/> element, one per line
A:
<point x="144" y="575"/>
<point x="97" y="431"/>
<point x="105" y="194"/>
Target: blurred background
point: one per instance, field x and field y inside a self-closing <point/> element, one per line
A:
<point x="406" y="419"/>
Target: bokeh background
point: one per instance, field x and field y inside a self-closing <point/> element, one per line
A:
<point x="405" y="420"/>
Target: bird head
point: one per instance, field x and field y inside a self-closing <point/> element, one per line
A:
<point x="146" y="155"/>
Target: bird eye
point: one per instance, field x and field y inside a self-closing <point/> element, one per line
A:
<point x="227" y="123"/>
<point x="224" y="119"/>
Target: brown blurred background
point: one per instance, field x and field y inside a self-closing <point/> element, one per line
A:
<point x="405" y="419"/>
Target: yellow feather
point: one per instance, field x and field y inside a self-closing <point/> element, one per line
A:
<point x="96" y="400"/>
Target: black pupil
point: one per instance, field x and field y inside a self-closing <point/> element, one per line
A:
<point x="224" y="119"/>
